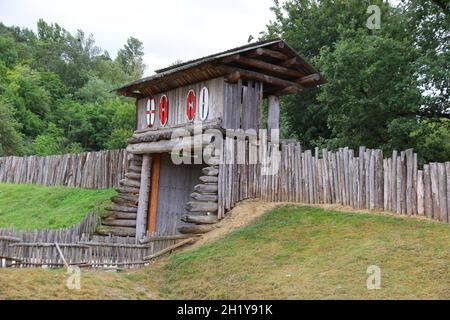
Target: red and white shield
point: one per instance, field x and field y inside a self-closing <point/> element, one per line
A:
<point x="203" y="104"/>
<point x="163" y="110"/>
<point x="150" y="112"/>
<point x="191" y="105"/>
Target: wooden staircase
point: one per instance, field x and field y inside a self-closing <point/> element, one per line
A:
<point x="203" y="206"/>
<point x="120" y="219"/>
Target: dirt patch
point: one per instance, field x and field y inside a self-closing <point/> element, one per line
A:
<point x="241" y="215"/>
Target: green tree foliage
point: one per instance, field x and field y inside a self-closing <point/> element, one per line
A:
<point x="56" y="91"/>
<point x="383" y="85"/>
<point x="130" y="58"/>
<point x="10" y="136"/>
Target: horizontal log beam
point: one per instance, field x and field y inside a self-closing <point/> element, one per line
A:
<point x="205" y="219"/>
<point x="260" y="77"/>
<point x="125" y="199"/>
<point x="151" y="135"/>
<point x="209" y="179"/>
<point x="233" y="77"/>
<point x="135" y="169"/>
<point x="196" y="229"/>
<point x="204" y="197"/>
<point x="120" y="215"/>
<point x="206" y="188"/>
<point x="130" y="183"/>
<point x="210" y="171"/>
<point x="200" y="206"/>
<point x="116" y="231"/>
<point x="127" y="190"/>
<point x="310" y="79"/>
<point x="133" y="176"/>
<point x="119" y="222"/>
<point x="163" y="146"/>
<point x="122" y="208"/>
<point x="269" y="53"/>
<point x="262" y="65"/>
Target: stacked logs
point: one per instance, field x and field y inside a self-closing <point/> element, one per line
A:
<point x="120" y="218"/>
<point x="203" y="208"/>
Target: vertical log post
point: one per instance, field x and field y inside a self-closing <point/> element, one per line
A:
<point x="143" y="198"/>
<point x="153" y="206"/>
<point x="273" y="115"/>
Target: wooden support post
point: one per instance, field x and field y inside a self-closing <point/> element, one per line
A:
<point x="143" y="198"/>
<point x="273" y="115"/>
<point x="153" y="205"/>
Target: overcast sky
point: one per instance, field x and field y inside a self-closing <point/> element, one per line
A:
<point x="169" y="29"/>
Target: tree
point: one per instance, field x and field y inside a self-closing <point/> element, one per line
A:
<point x="311" y="26"/>
<point x="11" y="139"/>
<point x="371" y="82"/>
<point x="429" y="21"/>
<point x="25" y="92"/>
<point x="130" y="58"/>
<point x="52" y="142"/>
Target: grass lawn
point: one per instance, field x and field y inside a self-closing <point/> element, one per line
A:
<point x="31" y="206"/>
<point x="292" y="252"/>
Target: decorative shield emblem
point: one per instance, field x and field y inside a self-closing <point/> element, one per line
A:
<point x="191" y="105"/>
<point x="203" y="104"/>
<point x="163" y="110"/>
<point x="150" y="112"/>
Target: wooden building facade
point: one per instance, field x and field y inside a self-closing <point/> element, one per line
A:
<point x="224" y="91"/>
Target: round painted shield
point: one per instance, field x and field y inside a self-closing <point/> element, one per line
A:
<point x="150" y="112"/>
<point x="203" y="104"/>
<point x="191" y="105"/>
<point x="163" y="110"/>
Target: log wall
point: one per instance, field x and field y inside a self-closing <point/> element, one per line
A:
<point x="361" y="180"/>
<point x="96" y="170"/>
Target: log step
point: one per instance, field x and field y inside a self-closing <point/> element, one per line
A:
<point x="122" y="208"/>
<point x="133" y="176"/>
<point x="130" y="183"/>
<point x="204" y="197"/>
<point x="211" y="171"/>
<point x="120" y="215"/>
<point x="116" y="231"/>
<point x="204" y="219"/>
<point x="206" y="188"/>
<point x="127" y="190"/>
<point x="119" y="222"/>
<point x="132" y="156"/>
<point x="196" y="229"/>
<point x="209" y="179"/>
<point x="135" y="169"/>
<point x="200" y="206"/>
<point x="120" y="200"/>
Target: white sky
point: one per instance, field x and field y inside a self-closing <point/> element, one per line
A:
<point x="169" y="29"/>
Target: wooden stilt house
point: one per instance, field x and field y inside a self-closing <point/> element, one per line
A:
<point x="223" y="91"/>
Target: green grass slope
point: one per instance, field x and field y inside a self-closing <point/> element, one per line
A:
<point x="298" y="252"/>
<point x="31" y="206"/>
<point x="291" y="252"/>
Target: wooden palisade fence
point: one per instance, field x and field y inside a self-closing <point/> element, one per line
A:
<point x="363" y="181"/>
<point x="96" y="170"/>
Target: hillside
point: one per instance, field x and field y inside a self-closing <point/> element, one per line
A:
<point x="31" y="206"/>
<point x="291" y="252"/>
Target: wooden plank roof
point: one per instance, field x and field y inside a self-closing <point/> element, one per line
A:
<point x="272" y="62"/>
